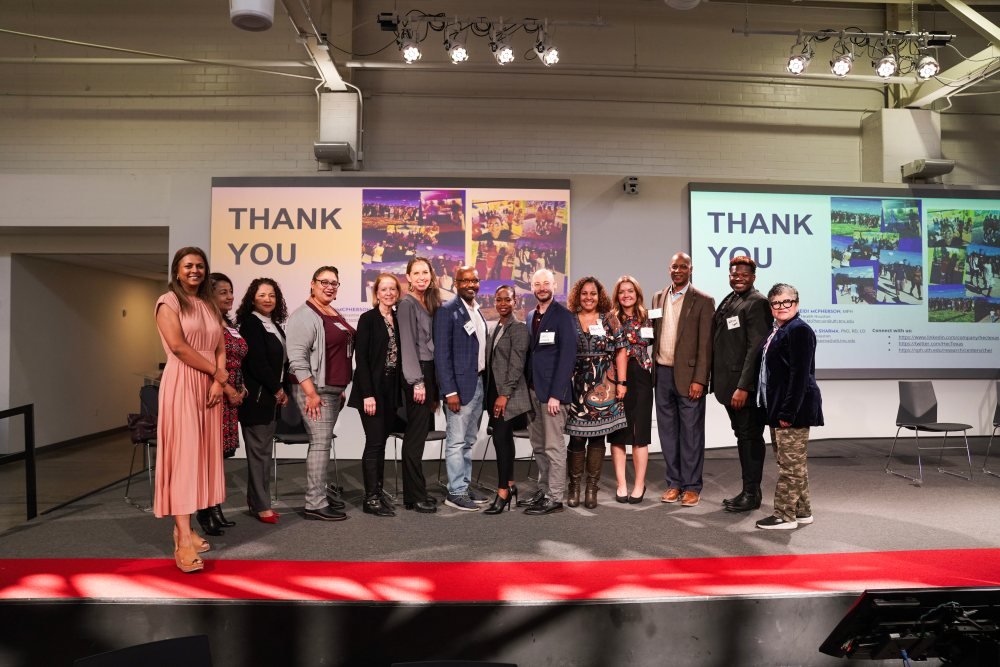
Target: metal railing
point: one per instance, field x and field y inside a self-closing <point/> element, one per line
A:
<point x="30" y="482"/>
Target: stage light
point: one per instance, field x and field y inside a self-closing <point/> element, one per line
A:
<point x="928" y="67"/>
<point x="886" y="67"/>
<point x="550" y="56"/>
<point x="410" y="50"/>
<point x="797" y="63"/>
<point x="503" y="53"/>
<point x="455" y="45"/>
<point x="841" y="65"/>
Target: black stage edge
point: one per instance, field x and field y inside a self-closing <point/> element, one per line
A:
<point x="734" y="631"/>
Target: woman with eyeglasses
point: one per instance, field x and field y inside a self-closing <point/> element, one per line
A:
<point x="788" y="393"/>
<point x="420" y="391"/>
<point x="320" y="347"/>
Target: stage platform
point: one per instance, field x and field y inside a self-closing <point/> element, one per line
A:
<point x="646" y="584"/>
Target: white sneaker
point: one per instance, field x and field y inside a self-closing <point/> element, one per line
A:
<point x="804" y="520"/>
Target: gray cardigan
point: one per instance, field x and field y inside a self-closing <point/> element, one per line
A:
<point x="306" y="341"/>
<point x="416" y="337"/>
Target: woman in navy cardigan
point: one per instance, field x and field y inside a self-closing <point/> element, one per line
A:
<point x="376" y="393"/>
<point x="788" y="392"/>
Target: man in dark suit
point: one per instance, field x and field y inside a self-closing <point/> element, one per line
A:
<point x="551" y="357"/>
<point x="741" y="322"/>
<point x="460" y="361"/>
<point x="682" y="349"/>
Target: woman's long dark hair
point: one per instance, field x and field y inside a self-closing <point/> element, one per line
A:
<point x="280" y="312"/>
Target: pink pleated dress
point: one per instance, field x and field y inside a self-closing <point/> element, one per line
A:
<point x="189" y="473"/>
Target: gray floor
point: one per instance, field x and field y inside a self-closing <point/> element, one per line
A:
<point x="857" y="508"/>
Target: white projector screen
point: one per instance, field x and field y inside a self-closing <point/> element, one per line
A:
<point x="895" y="281"/>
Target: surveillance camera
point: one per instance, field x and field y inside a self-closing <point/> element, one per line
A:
<point x="631" y="185"/>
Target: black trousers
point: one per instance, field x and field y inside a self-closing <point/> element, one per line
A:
<point x="419" y="419"/>
<point x="748" y="426"/>
<point x="377" y="429"/>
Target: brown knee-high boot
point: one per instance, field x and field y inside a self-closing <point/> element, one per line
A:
<point x="595" y="459"/>
<point x="575" y="461"/>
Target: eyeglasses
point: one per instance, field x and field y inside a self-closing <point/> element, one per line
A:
<point x="787" y="303"/>
<point x="473" y="281"/>
<point x="329" y="283"/>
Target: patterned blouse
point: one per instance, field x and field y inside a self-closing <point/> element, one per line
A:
<point x="392" y="350"/>
<point x="638" y="347"/>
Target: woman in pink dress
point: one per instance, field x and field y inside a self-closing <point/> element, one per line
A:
<point x="189" y="474"/>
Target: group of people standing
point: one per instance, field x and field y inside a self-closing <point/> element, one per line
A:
<point x="592" y="370"/>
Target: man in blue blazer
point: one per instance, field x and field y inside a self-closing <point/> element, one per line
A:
<point x="551" y="357"/>
<point x="460" y="361"/>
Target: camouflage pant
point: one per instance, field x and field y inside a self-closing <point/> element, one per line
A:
<point x="791" y="495"/>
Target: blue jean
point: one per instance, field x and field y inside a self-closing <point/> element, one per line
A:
<point x="462" y="432"/>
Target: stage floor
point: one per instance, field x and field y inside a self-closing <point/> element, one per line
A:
<point x="871" y="530"/>
<point x="701" y="584"/>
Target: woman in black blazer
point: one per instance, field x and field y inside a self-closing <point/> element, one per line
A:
<point x="507" y="400"/>
<point x="376" y="390"/>
<point x="260" y="317"/>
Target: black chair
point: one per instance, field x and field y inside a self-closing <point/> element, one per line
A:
<point x="149" y="404"/>
<point x="519" y="434"/>
<point x="291" y="430"/>
<point x="432" y="436"/>
<point x="918" y="413"/>
<point x="996" y="427"/>
<point x="188" y="651"/>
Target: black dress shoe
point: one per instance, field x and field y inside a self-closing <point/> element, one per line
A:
<point x="427" y="506"/>
<point x="621" y="499"/>
<point x="209" y="524"/>
<point x="216" y="511"/>
<point x="547" y="507"/>
<point x="537" y="498"/>
<point x="325" y="514"/>
<point x="745" y="502"/>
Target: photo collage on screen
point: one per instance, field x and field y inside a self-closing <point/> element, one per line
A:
<point x="397" y="225"/>
<point x="876" y="251"/>
<point x="511" y="239"/>
<point x="963" y="252"/>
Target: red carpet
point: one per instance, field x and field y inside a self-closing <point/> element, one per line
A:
<point x="498" y="581"/>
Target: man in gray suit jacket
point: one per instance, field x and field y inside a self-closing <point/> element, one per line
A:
<point x="741" y="322"/>
<point x="682" y="351"/>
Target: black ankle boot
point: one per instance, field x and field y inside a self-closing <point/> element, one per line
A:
<point x="209" y="524"/>
<point x="217" y="514"/>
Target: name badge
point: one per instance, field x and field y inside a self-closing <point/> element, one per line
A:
<point x="233" y="332"/>
<point x="733" y="322"/>
<point x="597" y="329"/>
<point x="656" y="313"/>
<point x="340" y="326"/>
<point x="547" y="338"/>
<point x="646" y="332"/>
<point x="469" y="327"/>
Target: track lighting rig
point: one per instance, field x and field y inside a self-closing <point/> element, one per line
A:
<point x="891" y="53"/>
<point x="412" y="28"/>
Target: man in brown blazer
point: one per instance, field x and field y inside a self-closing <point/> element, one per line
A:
<point x="682" y="355"/>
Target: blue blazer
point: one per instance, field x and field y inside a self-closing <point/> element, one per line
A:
<point x="550" y="366"/>
<point x="456" y="352"/>
<point x="792" y="394"/>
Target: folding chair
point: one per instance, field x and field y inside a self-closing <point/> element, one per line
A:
<point x="149" y="404"/>
<point x="918" y="412"/>
<point x="996" y="427"/>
